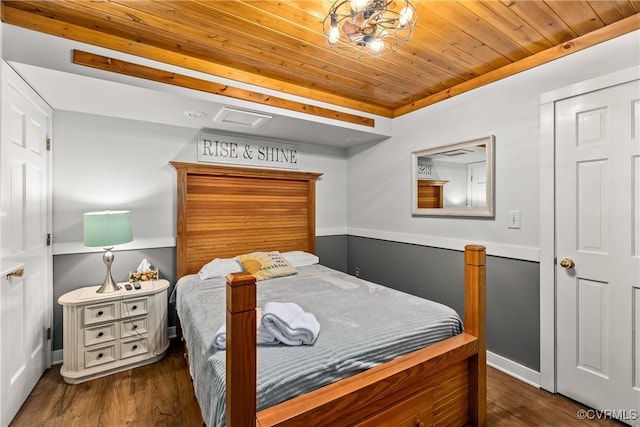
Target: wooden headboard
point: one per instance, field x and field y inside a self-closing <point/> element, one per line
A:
<point x="224" y="211"/>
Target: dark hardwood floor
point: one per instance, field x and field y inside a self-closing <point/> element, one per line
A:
<point x="161" y="394"/>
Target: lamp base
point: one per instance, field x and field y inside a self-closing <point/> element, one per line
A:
<point x="108" y="285"/>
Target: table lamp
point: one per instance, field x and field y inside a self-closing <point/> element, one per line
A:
<point x="106" y="229"/>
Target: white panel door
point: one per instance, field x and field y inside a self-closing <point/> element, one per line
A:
<point x="597" y="228"/>
<point x="26" y="302"/>
<point x="477" y="185"/>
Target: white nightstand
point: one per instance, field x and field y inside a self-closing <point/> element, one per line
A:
<point x="108" y="333"/>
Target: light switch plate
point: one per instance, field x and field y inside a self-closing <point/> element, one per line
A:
<point x="514" y="219"/>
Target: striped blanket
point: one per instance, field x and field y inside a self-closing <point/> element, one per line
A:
<point x="362" y="325"/>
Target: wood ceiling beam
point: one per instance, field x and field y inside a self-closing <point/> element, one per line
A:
<point x="175" y="79"/>
<point x="624" y="26"/>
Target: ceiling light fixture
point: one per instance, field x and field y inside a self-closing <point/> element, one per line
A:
<point x="369" y="28"/>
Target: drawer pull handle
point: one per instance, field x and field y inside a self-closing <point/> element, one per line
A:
<point x="100" y="355"/>
<point x="134" y="347"/>
<point x="100" y="313"/>
<point x="134" y="307"/>
<point x="135" y="326"/>
<point x="100" y="334"/>
<point x="418" y="423"/>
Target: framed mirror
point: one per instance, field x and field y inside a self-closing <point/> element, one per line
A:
<point x="454" y="180"/>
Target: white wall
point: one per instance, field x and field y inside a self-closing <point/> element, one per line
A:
<point x="110" y="163"/>
<point x="379" y="175"/>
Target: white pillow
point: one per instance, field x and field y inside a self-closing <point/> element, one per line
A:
<point x="300" y="258"/>
<point x="220" y="267"/>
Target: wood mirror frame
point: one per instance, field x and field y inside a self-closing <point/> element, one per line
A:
<point x="429" y="195"/>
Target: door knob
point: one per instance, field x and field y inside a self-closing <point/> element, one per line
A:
<point x="567" y="263"/>
<point x="17" y="273"/>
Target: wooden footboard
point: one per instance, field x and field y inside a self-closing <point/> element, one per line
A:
<point x="443" y="384"/>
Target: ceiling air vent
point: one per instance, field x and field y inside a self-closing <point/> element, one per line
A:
<point x="247" y="119"/>
<point x="459" y="152"/>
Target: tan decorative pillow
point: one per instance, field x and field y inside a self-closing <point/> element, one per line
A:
<point x="266" y="265"/>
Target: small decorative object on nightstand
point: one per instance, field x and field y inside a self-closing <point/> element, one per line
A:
<point x="112" y="332"/>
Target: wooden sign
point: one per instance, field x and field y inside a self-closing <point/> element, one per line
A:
<point x="214" y="148"/>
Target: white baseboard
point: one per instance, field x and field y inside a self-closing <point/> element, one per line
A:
<point x="57" y="356"/>
<point x="514" y="369"/>
<point x="171" y="332"/>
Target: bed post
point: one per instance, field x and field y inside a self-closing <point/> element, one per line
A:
<point x="241" y="350"/>
<point x="474" y="324"/>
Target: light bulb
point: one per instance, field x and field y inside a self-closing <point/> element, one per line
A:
<point x="358" y="5"/>
<point x="405" y="16"/>
<point x="334" y="35"/>
<point x="376" y="45"/>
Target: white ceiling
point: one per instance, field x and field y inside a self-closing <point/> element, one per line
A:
<point x="44" y="62"/>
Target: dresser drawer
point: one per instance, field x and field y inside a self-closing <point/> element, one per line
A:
<point x="134" y="348"/>
<point x="134" y="307"/>
<point x="99" y="313"/>
<point x="99" y="356"/>
<point x="99" y="334"/>
<point x="133" y="327"/>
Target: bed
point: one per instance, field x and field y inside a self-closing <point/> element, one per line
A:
<point x="224" y="211"/>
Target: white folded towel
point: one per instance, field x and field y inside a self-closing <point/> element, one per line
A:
<point x="263" y="336"/>
<point x="289" y="323"/>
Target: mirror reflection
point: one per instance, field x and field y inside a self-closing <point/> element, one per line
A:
<point x="455" y="179"/>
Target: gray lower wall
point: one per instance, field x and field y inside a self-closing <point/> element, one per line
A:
<point x="513" y="289"/>
<point x="513" y="302"/>
<point x="332" y="251"/>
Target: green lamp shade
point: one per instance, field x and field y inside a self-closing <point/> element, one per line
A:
<point x="107" y="228"/>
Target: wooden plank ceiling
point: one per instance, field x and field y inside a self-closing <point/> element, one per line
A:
<point x="456" y="45"/>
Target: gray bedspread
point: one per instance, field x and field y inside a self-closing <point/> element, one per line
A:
<point x="361" y="325"/>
